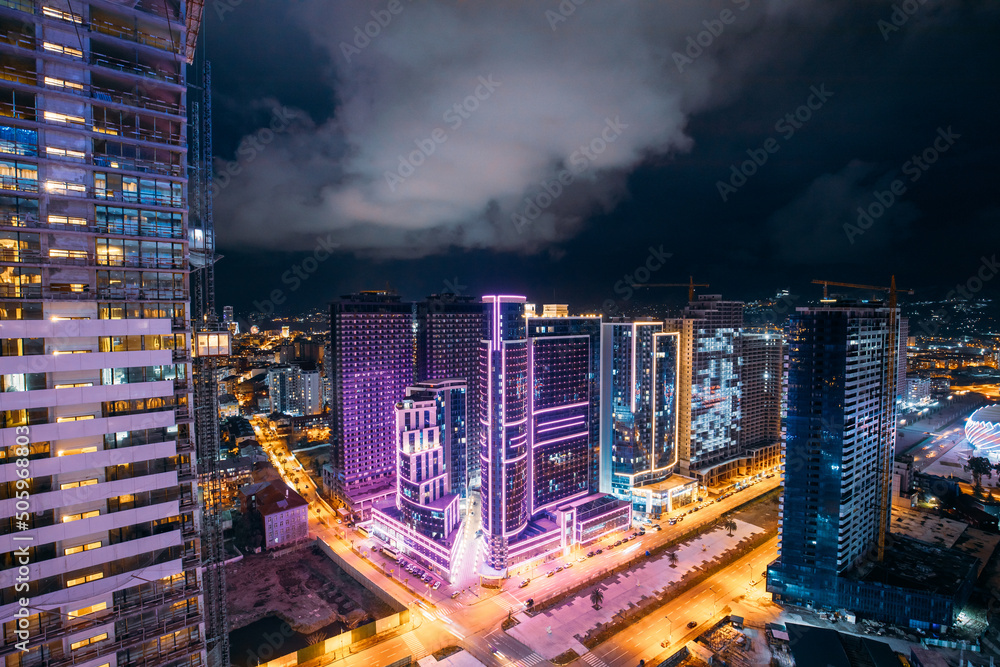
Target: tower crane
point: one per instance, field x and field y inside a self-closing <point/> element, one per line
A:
<point x="691" y="284"/>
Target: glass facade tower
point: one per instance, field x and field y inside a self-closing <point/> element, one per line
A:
<point x="640" y="366"/>
<point x="503" y="425"/>
<point x="839" y="433"/>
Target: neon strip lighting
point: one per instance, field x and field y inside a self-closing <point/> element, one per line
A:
<point x="561" y="407"/>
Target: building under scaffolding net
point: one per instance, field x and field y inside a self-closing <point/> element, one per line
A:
<point x="210" y="342"/>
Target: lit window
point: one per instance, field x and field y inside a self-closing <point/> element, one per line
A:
<point x="52" y="151"/>
<point x="67" y="254"/>
<point x="87" y="642"/>
<point x="60" y="48"/>
<point x="81" y="418"/>
<point x="54" y="13"/>
<point x="66" y="220"/>
<point x="62" y="83"/>
<point x="63" y="187"/>
<point x="94" y="608"/>
<point x="74" y="386"/>
<point x="56" y="117"/>
<point x="76" y="485"/>
<point x="85" y="580"/>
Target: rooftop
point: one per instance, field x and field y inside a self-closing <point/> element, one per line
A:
<point x="273" y="497"/>
<point x="919" y="566"/>
<point x="926" y="527"/>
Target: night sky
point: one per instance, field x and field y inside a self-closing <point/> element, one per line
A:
<point x="644" y="110"/>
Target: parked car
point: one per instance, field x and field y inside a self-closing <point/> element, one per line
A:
<point x="524" y="583"/>
<point x="437" y="584"/>
<point x="455" y="594"/>
<point x="618" y="542"/>
<point x="559" y="569"/>
<point x="600" y="551"/>
<point x="551" y="573"/>
<point x="590" y="554"/>
<point x="625" y="539"/>
<point x="568" y="565"/>
<point x="673" y="521"/>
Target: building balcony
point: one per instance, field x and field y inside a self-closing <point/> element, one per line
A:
<point x="136" y="100"/>
<point x="133" y="34"/>
<point x="134" y="68"/>
<point x="135" y="164"/>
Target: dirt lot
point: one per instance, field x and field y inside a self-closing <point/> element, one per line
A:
<point x="304" y="588"/>
<point x="763" y="512"/>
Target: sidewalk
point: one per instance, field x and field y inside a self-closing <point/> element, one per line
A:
<point x="553" y="632"/>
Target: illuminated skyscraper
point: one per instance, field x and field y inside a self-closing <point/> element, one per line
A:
<point x="540" y="437"/>
<point x="371" y="365"/>
<point x="449" y="329"/>
<point x="430" y="449"/>
<point x="95" y="306"/>
<point x="504" y="425"/>
<point x="640" y="365"/>
<point x="840" y="432"/>
<point x="710" y="392"/>
<point x="564" y="404"/>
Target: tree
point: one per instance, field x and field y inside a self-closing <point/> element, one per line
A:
<point x="729" y="525"/>
<point x="596" y="598"/>
<point x="979" y="466"/>
<point x="672" y="557"/>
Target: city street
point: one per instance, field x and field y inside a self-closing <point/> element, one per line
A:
<point x="472" y="620"/>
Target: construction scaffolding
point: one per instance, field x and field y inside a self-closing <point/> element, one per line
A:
<point x="201" y="231"/>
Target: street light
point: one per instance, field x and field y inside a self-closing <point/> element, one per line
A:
<point x="670" y="629"/>
<point x="711" y="588"/>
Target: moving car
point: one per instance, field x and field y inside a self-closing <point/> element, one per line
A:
<point x="693" y="624"/>
<point x="524" y="583"/>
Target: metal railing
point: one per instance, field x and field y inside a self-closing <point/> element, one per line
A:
<point x="134" y="68"/>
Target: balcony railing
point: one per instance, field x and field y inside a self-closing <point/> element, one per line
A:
<point x="134" y="68"/>
<point x="138" y="133"/>
<point x="132" y="35"/>
<point x="136" y="164"/>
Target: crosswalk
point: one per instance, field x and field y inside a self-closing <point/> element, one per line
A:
<point x="413" y="644"/>
<point x="528" y="661"/>
<point x="593" y="660"/>
<point x="507" y="604"/>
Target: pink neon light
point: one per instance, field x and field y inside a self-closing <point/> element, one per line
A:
<point x="561" y="407"/>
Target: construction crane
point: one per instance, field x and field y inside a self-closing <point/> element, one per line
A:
<point x="888" y="398"/>
<point x="690" y="285"/>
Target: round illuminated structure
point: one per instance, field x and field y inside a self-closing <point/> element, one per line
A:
<point x="983" y="431"/>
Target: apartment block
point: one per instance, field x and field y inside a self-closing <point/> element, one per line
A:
<point x="371" y="365"/>
<point x="95" y="368"/>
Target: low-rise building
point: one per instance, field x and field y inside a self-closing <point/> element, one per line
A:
<point x="284" y="514"/>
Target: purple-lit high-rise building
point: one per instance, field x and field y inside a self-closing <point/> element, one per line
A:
<point x="540" y="437"/>
<point x="448" y="331"/>
<point x="371" y="365"/>
<point x="503" y="425"/>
